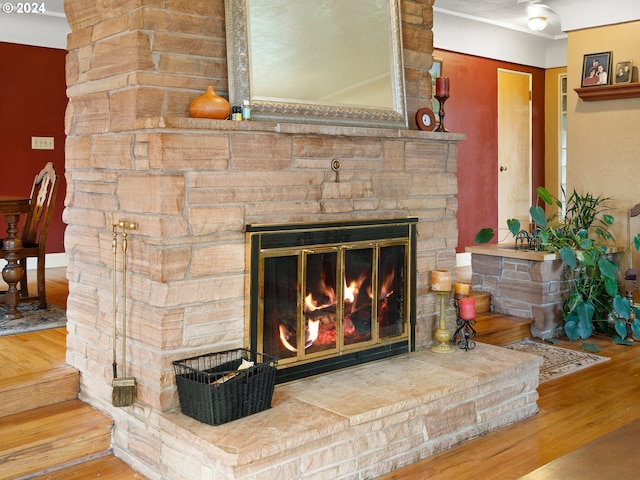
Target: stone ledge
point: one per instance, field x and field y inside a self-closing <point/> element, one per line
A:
<point x="369" y="419"/>
<point x="187" y="123"/>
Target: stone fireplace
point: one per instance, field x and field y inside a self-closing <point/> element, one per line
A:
<point x="193" y="186"/>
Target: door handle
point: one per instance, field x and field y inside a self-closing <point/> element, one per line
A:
<point x="503" y="168"/>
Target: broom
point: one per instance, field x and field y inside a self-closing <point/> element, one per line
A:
<point x="124" y="388"/>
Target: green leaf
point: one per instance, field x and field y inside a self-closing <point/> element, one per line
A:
<point x="585" y="243"/>
<point x="552" y="341"/>
<point x="611" y="286"/>
<point x="571" y="329"/>
<point x="568" y="256"/>
<point x="607" y="268"/>
<point x="538" y="216"/>
<point x="590" y="347"/>
<point x="608" y="219"/>
<point x="620" y="341"/>
<point x="514" y="226"/>
<point x="578" y="322"/>
<point x="622" y="306"/>
<point x="544" y="195"/>
<point x="484" y="235"/>
<point x="621" y="329"/>
<point x="636" y="242"/>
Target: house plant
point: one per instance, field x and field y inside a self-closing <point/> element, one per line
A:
<point x="581" y="240"/>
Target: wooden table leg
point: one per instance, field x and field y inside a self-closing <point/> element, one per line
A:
<point x="12" y="271"/>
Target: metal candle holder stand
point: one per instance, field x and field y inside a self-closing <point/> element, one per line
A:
<point x="442" y="335"/>
<point x="465" y="332"/>
<point x="441" y="99"/>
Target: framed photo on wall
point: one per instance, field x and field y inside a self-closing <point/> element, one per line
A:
<point x="435" y="72"/>
<point x="623" y="72"/>
<point x="596" y="69"/>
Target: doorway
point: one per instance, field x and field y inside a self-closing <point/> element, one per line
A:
<point x="514" y="150"/>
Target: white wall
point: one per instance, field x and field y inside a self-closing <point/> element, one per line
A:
<point x="464" y="35"/>
<point x="48" y="30"/>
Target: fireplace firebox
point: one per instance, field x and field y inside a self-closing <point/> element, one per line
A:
<point x="331" y="295"/>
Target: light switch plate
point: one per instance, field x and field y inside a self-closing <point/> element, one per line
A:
<point x="42" y="143"/>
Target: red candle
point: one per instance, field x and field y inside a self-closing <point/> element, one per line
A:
<point x="467" y="308"/>
<point x="442" y="86"/>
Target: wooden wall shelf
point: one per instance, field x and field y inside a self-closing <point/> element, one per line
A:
<point x="609" y="92"/>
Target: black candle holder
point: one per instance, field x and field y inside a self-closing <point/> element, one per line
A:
<point x="441" y="99"/>
<point x="465" y="332"/>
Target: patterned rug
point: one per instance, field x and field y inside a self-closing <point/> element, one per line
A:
<point x="557" y="361"/>
<point x="33" y="319"/>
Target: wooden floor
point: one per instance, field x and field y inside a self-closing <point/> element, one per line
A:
<point x="47" y="352"/>
<point x="577" y="412"/>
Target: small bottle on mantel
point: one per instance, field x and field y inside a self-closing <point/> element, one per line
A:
<point x="236" y="113"/>
<point x="246" y="110"/>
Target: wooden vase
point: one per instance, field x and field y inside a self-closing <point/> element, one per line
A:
<point x="210" y="105"/>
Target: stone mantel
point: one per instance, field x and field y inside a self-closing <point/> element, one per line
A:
<point x="187" y="123"/>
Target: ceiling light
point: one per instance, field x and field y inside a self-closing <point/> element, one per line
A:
<point x="537" y="23"/>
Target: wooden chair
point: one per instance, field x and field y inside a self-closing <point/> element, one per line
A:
<point x="35" y="230"/>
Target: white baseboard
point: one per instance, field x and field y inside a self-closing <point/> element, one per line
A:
<point x="53" y="260"/>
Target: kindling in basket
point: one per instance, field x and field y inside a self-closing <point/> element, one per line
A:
<point x="219" y="387"/>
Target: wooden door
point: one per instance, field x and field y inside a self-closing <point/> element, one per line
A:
<point x="514" y="150"/>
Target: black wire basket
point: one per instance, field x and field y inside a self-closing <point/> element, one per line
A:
<point x="216" y="389"/>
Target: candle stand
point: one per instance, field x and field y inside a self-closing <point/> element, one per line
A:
<point x="465" y="332"/>
<point x="443" y="335"/>
<point x="441" y="99"/>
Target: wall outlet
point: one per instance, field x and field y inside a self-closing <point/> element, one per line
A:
<point x="42" y="143"/>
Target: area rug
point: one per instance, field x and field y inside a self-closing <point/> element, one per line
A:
<point x="557" y="361"/>
<point x="33" y="318"/>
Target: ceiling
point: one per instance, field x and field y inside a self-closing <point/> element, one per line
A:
<point x="562" y="15"/>
<point x="513" y="14"/>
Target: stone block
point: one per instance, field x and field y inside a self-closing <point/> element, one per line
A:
<point x="486" y="264"/>
<point x="164" y="42"/>
<point x="128" y="52"/>
<point x="547" y="320"/>
<point x="130" y="104"/>
<point x="168" y="199"/>
<point x="422" y="157"/>
<point x="521" y="291"/>
<point x="205" y="220"/>
<point x="182" y="152"/>
<point x="450" y="419"/>
<point x="166" y="264"/>
<point x="436" y="183"/>
<point x="111" y="152"/>
<point x="218" y="260"/>
<point x="551" y="271"/>
<point x="337" y="147"/>
<point x="90" y="114"/>
<point x="260" y="152"/>
<point x="393" y="156"/>
<point x="391" y="184"/>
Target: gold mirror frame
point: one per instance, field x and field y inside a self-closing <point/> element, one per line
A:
<point x="296" y="111"/>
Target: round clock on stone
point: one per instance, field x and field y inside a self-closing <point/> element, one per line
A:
<point x="425" y="119"/>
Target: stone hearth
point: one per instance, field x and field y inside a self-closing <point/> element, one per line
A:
<point x="362" y="422"/>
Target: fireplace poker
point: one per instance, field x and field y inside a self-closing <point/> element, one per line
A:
<point x="124" y="388"/>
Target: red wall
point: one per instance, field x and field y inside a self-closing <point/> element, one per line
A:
<point x="32" y="103"/>
<point x="473" y="109"/>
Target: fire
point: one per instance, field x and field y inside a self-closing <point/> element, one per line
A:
<point x="311" y="334"/>
<point x="385" y="288"/>
<point x="326" y="299"/>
